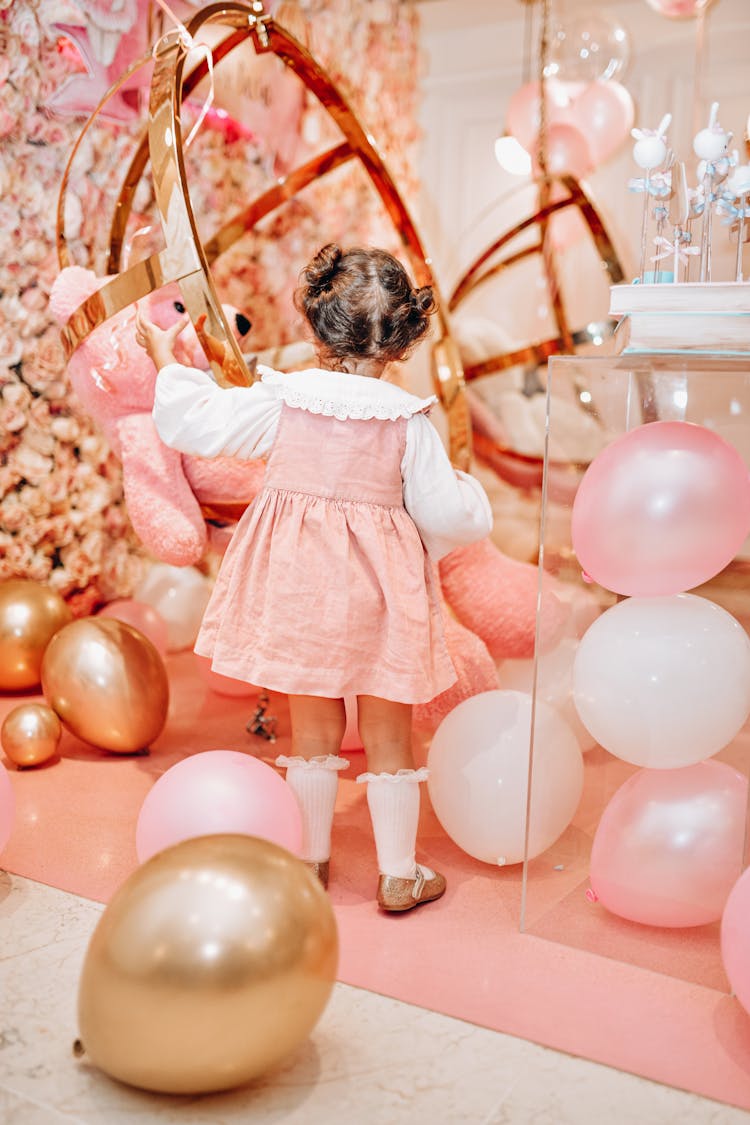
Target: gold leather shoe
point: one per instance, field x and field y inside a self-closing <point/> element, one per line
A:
<point x="320" y="868"/>
<point x="396" y="895"/>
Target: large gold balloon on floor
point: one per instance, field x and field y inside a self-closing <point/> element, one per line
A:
<point x="212" y="962"/>
<point x="30" y="615"/>
<point x="30" y="734"/>
<point x="107" y="682"/>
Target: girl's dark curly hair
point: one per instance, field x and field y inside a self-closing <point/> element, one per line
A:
<point x="361" y="304"/>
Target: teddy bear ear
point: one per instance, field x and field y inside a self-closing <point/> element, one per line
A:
<point x="72" y="286"/>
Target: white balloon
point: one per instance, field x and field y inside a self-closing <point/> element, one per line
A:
<point x="479" y="770"/>
<point x="180" y="594"/>
<point x="554" y="684"/>
<point x="663" y="682"/>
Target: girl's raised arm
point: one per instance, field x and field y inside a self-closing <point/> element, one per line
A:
<point x="450" y="508"/>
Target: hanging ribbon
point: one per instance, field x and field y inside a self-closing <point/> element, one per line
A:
<point x="670" y="249"/>
<point x="659" y="184"/>
<point x="189" y="45"/>
<point x="732" y="212"/>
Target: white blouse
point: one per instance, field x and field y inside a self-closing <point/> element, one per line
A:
<point x="194" y="415"/>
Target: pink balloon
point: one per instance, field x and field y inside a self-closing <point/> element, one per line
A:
<point x="661" y="509"/>
<point x="218" y="791"/>
<point x="523" y="116"/>
<point x="604" y="113"/>
<point x="735" y="939"/>
<point x="142" y="617"/>
<point x="223" y="685"/>
<point x="669" y="845"/>
<point x="567" y="152"/>
<point x="567" y="228"/>
<point x="7" y="807"/>
<point x="679" y="9"/>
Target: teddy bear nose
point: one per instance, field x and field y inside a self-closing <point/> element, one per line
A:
<point x="243" y="324"/>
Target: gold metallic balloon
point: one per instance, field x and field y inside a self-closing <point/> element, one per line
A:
<point x="30" y="734"/>
<point x="30" y="615"/>
<point x="107" y="682"/>
<point x="212" y="962"/>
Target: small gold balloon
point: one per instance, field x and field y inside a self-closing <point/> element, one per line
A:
<point x="212" y="962"/>
<point x="30" y="615"/>
<point x="107" y="683"/>
<point x="30" y="734"/>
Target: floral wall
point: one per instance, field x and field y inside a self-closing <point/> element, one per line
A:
<point x="62" y="516"/>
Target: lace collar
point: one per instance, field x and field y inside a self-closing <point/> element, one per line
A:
<point x="339" y="395"/>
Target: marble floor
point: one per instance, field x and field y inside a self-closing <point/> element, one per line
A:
<point x="370" y="1059"/>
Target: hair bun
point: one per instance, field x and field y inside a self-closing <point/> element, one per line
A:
<point x="424" y="299"/>
<point x="319" y="273"/>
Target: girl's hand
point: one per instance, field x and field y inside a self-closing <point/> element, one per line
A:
<point x="158" y="342"/>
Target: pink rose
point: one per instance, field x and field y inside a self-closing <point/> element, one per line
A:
<point x="39" y="567"/>
<point x="12" y="513"/>
<point x="115" y="521"/>
<point x="37" y="504"/>
<point x="7" y="123"/>
<point x="59" y="530"/>
<point x="93" y="544"/>
<point x="30" y="464"/>
<point x="40" y="440"/>
<point x="12" y="420"/>
<point x="77" y="567"/>
<point x="65" y="429"/>
<point x="10" y="347"/>
<point x="55" y="488"/>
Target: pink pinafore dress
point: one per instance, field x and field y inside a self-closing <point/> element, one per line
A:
<point x="326" y="588"/>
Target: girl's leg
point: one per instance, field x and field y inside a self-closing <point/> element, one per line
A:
<point x="393" y="800"/>
<point x="318" y="727"/>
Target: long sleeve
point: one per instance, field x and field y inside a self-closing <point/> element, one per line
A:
<point x="450" y="508"/>
<point x="194" y="415"/>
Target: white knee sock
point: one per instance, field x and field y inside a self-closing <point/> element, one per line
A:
<point x="314" y="782"/>
<point x="393" y="800"/>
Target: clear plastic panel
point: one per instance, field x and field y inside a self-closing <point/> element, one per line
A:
<point x="641" y="872"/>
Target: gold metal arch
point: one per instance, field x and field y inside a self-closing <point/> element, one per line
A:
<point x="185" y="260"/>
<point x="523" y="470"/>
<point x="481" y="271"/>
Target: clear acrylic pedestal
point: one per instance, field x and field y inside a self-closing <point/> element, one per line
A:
<point x="616" y="395"/>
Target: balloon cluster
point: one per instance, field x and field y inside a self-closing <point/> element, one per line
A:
<point x="662" y="678"/>
<point x="587" y="111"/>
<point x="103" y="677"/>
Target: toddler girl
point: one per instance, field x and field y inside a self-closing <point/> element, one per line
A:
<point x="327" y="589"/>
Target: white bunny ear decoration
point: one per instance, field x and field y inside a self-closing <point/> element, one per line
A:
<point x="638" y="134"/>
<point x="664" y="124"/>
<point x="714" y="112"/>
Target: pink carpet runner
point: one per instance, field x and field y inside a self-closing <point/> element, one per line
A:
<point x="653" y="1002"/>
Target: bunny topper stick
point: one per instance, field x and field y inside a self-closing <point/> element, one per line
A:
<point x="661" y="208"/>
<point x="738" y="187"/>
<point x="679" y="213"/>
<point x="649" y="152"/>
<point x="710" y="144"/>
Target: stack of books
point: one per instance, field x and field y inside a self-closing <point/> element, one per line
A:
<point x="693" y="317"/>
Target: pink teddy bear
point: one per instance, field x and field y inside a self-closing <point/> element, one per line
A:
<point x="167" y="493"/>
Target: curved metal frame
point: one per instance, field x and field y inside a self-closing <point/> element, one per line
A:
<point x="477" y="275"/>
<point x="184" y="260"/>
